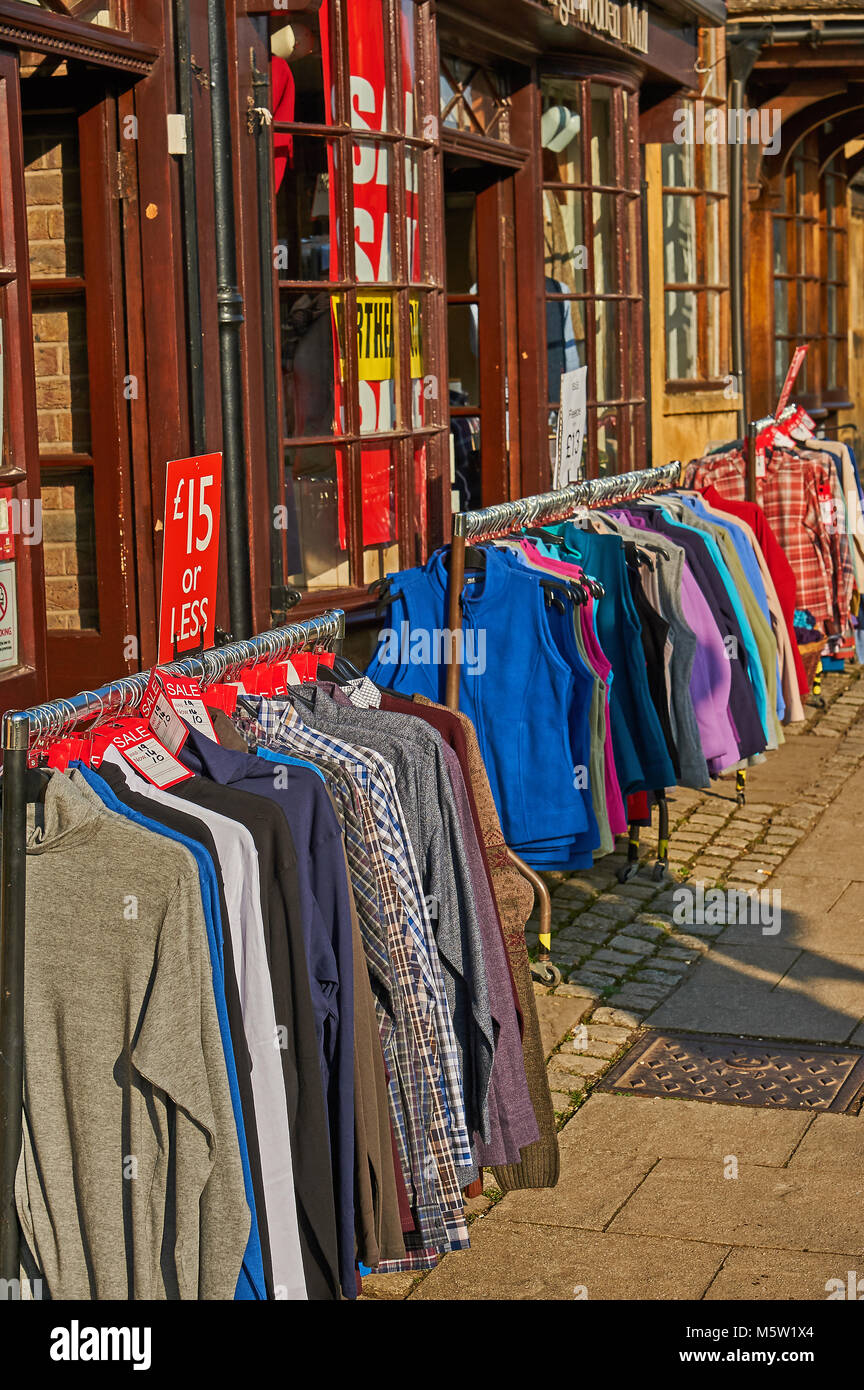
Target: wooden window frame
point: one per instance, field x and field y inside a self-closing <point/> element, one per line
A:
<point x="410" y="536"/>
<point x="803" y="279"/>
<point x="704" y="196"/>
<point x="630" y="405"/>
<point x="835" y="392"/>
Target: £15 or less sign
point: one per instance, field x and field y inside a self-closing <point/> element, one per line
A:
<point x="190" y="556"/>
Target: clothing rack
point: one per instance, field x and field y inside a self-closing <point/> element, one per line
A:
<point x="497" y="522"/>
<point x="23" y="730"/>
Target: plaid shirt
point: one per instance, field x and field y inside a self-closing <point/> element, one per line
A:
<point x="789" y="496"/>
<point x="377" y="779"/>
<point x="406" y="1019"/>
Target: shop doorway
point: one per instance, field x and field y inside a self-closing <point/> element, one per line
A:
<point x="80" y="382"/>
<point x="482" y="328"/>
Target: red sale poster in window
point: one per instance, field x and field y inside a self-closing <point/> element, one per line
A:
<point x="190" y="555"/>
<point x="375" y="327"/>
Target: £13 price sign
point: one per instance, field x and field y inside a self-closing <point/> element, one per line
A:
<point x="190" y="555"/>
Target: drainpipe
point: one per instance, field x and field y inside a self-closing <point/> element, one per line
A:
<point x="230" y="318"/>
<point x="742" y="53"/>
<point x="282" y="597"/>
<point x="198" y="424"/>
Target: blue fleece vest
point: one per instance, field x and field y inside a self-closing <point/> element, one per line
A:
<point x="515" y="687"/>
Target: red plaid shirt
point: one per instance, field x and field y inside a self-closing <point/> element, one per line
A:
<point x="789" y="494"/>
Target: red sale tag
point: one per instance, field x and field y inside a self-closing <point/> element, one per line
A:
<point x="184" y="695"/>
<point x="190" y="555"/>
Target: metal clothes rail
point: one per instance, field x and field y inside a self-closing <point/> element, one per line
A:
<point x="23" y="730"/>
<point x="490" y="523"/>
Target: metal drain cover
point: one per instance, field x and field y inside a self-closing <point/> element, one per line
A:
<point x="739" y="1071"/>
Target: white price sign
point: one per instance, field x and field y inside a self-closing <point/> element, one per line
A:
<point x="571" y="427"/>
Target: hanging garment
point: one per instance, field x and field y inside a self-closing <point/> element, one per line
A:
<point x="115" y="1077"/>
<point x="267" y="934"/>
<point x="254" y="1283"/>
<point x="520" y="701"/>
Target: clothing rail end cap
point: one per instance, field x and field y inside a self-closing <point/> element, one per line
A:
<point x="16" y="730"/>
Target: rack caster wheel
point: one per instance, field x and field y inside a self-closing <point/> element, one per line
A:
<point x="544" y="973"/>
<point x="659" y="873"/>
<point x="740" y="799"/>
<point x="626" y="872"/>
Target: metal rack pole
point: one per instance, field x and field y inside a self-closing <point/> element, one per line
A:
<point x="13" y="864"/>
<point x="18" y="726"/>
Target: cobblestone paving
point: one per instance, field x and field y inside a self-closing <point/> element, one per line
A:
<point x="619" y="949"/>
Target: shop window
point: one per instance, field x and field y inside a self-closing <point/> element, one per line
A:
<point x="359" y="314"/>
<point x="695" y="232"/>
<point x="592" y="259"/>
<point x="796" y="269"/>
<point x="474" y="98"/>
<point x="107" y="14"/>
<point x="835" y="279"/>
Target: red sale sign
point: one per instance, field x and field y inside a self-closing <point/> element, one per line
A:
<point x="190" y="555"/>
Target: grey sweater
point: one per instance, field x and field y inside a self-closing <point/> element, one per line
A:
<point x="129" y="1184"/>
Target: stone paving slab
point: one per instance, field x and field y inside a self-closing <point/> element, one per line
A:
<point x="520" y="1263"/>
<point x="832" y="1143"/>
<point x="558" y="1014"/>
<point x="661" y="1127"/>
<point x="726" y="990"/>
<point x="590" y="1190"/>
<point x="777" y="1275"/>
<point x="765" y="1207"/>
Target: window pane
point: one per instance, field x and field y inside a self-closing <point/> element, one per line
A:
<point x="296" y="71"/>
<point x="464" y="381"/>
<point x="372" y="212"/>
<point x="681" y="335"/>
<point x="602" y="148"/>
<point x="425" y="393"/>
<point x="832" y="363"/>
<point x="781" y="257"/>
<point x="565" y="252"/>
<point x="608" y="376"/>
<point x="565" y="341"/>
<point x="713" y="332"/>
<point x="780" y="355"/>
<point x="679" y="240"/>
<point x="833" y="323"/>
<point x="561" y="132"/>
<point x="53" y="191"/>
<point x="304" y="202"/>
<point x="832" y="258"/>
<point x="715" y="167"/>
<point x="378" y="476"/>
<point x="316" y="560"/>
<point x="69" y="529"/>
<point x="377" y="361"/>
<point x="465" y="453"/>
<point x="713" y="233"/>
<point x="608" y="452"/>
<point x="678" y="163"/>
<point x="415" y="196"/>
<point x="630" y="207"/>
<point x="605" y="270"/>
<point x="408" y="41"/>
<point x="781" y="306"/>
<point x="307" y="364"/>
<point x="62" y="381"/>
<point x="460" y="236"/>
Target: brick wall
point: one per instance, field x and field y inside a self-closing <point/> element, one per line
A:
<point x="62" y="387"/>
<point x="69" y="550"/>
